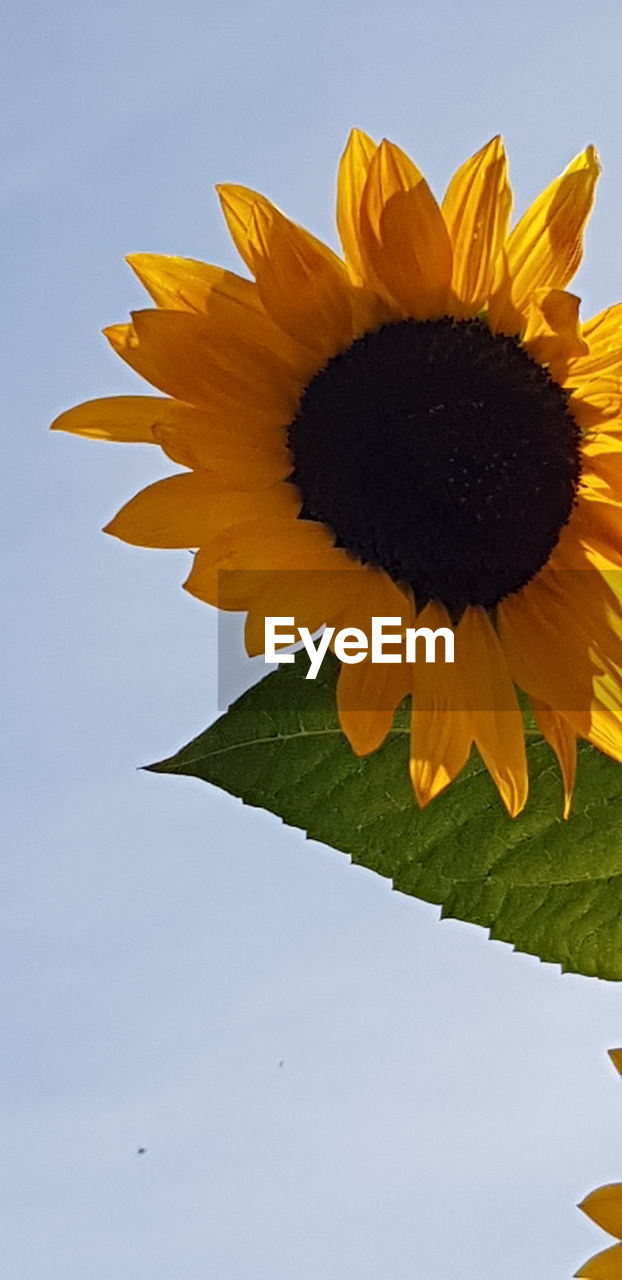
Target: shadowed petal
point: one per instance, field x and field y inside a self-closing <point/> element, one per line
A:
<point x="476" y="209"/>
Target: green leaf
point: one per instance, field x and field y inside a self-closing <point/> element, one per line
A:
<point x="549" y="887"/>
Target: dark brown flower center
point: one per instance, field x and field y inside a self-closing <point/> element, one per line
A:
<point x="442" y="453"/>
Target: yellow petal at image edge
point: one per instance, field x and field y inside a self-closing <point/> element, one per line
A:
<point x="603" y="1266"/>
<point x="616" y="1058"/>
<point x="604" y="1207"/>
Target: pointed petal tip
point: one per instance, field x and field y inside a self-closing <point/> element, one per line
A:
<point x="513" y="791"/>
<point x="360" y="747"/>
<point x="190" y="585"/>
<point x="112" y="526"/>
<point x="226" y="190"/>
<point x="66" y="421"/>
<point x="424" y="798"/>
<point x="588" y="159"/>
<point x="119" y="335"/>
<point x="138" y="262"/>
<point x="514" y="804"/>
<point x="616" y="1058"/>
<point x="426" y="790"/>
<point x="496" y="146"/>
<point x="358" y="142"/>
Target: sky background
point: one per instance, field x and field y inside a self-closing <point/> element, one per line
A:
<point x="443" y="1103"/>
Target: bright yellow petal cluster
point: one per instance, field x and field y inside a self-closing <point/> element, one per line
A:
<point x="232" y="357"/>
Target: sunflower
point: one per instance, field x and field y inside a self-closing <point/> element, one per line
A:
<point x="422" y="428"/>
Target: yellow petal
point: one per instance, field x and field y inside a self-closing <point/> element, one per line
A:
<point x="553" y="332"/>
<point x="243" y="555"/>
<point x="403" y="236"/>
<point x="603" y="335"/>
<point x="183" y="284"/>
<point x="471" y="700"/>
<point x="602" y="458"/>
<point x="353" y="171"/>
<point x="191" y="510"/>
<point x="604" y="1207"/>
<point x="440" y="745"/>
<point x="369" y="693"/>
<point x="603" y="1266"/>
<point x="241" y="454"/>
<point x="602" y="478"/>
<point x="390" y="171"/>
<point x="503" y="316"/>
<point x="616" y="1058"/>
<point x="240" y="205"/>
<point x="598" y="402"/>
<point x="489" y="695"/>
<point x="237" y="460"/>
<point x="170" y="513"/>
<point x="126" y="419"/>
<point x="200" y="362"/>
<point x="311" y="596"/>
<point x="546" y="246"/>
<point x="563" y="740"/>
<point x="237" y="205"/>
<point x="188" y="285"/>
<point x="441" y="735"/>
<point x="303" y="287"/>
<point x="476" y="209"/>
<point x="367" y="699"/>
<point x="414" y="229"/>
<point x="414" y="258"/>
<point x="593" y="539"/>
<point x="562" y="635"/>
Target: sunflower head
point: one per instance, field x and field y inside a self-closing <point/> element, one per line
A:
<point x="422" y="428"/>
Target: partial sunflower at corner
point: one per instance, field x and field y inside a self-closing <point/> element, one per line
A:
<point x="425" y="426"/>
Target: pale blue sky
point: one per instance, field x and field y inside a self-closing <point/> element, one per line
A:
<point x="443" y="1103"/>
